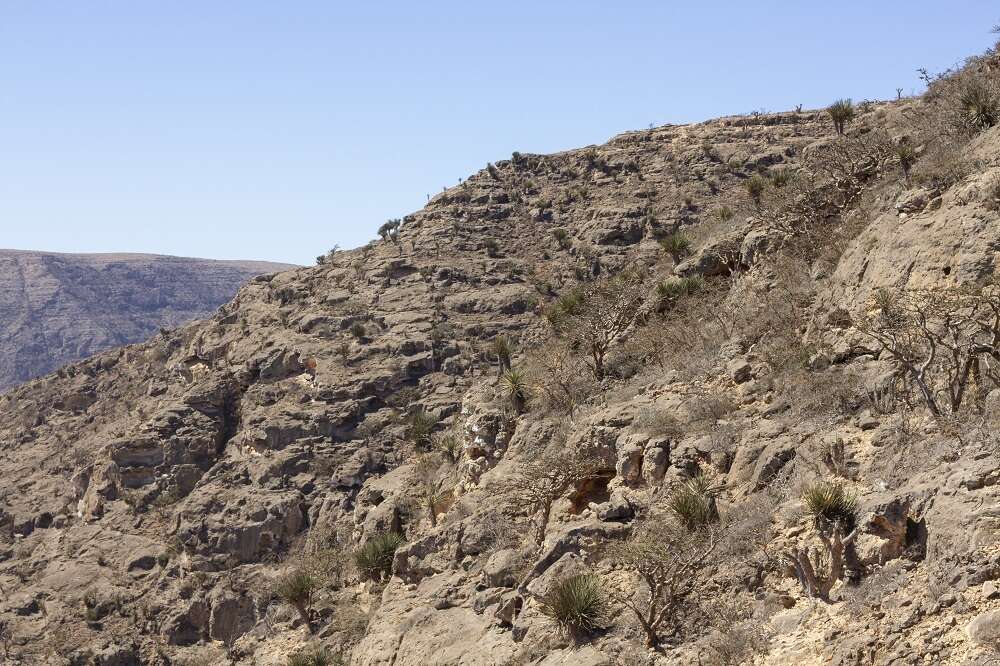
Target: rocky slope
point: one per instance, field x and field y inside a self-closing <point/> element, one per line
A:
<point x="58" y="308"/>
<point x="203" y="497"/>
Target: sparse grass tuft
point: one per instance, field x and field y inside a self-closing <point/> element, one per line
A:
<point x="781" y="177"/>
<point x="578" y="604"/>
<point x="314" y="656"/>
<point x="755" y="186"/>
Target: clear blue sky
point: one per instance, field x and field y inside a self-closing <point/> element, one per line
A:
<point x="272" y="129"/>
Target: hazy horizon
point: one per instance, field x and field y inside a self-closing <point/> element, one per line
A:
<point x="272" y="133"/>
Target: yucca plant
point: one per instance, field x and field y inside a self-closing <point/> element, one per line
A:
<point x="419" y="427"/>
<point x="677" y="245"/>
<point x="755" y="186"/>
<point x="450" y="446"/>
<point x="907" y="156"/>
<point x="515" y="387"/>
<point x="562" y="237"/>
<point x="578" y="604"/>
<point x="830" y="503"/>
<point x="565" y="307"/>
<point x="980" y="104"/>
<point x="297" y="588"/>
<point x="374" y="558"/>
<point x="668" y="292"/>
<point x="693" y="502"/>
<point x="841" y="112"/>
<point x="502" y="349"/>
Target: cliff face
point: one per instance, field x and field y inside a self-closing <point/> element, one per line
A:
<point x="693" y="318"/>
<point x="58" y="308"/>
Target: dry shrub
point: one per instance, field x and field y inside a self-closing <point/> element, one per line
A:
<point x="658" y="422"/>
<point x="867" y="595"/>
<point x="560" y="377"/>
<point x="958" y="105"/>
<point x="706" y="408"/>
<point x="688" y="337"/>
<point x="826" y="394"/>
<point x="737" y="636"/>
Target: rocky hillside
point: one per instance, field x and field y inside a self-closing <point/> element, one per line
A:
<point x="58" y="308"/>
<point x="723" y="393"/>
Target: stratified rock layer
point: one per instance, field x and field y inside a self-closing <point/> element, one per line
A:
<point x="58" y="308"/>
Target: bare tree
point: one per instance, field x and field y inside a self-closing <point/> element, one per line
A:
<point x="672" y="562"/>
<point x="598" y="316"/>
<point x="561" y="378"/>
<point x="940" y="339"/>
<point x="544" y="480"/>
<point x="817" y="582"/>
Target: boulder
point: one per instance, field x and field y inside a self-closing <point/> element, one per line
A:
<point x="984" y="629"/>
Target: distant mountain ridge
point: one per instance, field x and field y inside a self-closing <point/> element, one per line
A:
<point x="57" y="308"/>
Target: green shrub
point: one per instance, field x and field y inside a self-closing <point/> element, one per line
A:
<point x="830" y="502"/>
<point x="980" y="104"/>
<point x="374" y="558"/>
<point x="668" y="292"/>
<point x="578" y="604"/>
<point x="693" y="502"/>
<point x="724" y="214"/>
<point x="841" y="112"/>
<point x="677" y="245"/>
<point x="755" y="186"/>
<point x="567" y="306"/>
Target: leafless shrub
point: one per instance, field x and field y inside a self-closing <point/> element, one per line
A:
<point x="541" y="482"/>
<point x="670" y="561"/>
<point x="818" y="570"/>
<point x="596" y="317"/>
<point x="876" y="586"/>
<point x="659" y="422"/>
<point x="502" y="532"/>
<point x="561" y="377"/>
<point x="941" y="340"/>
<point x="737" y="636"/>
